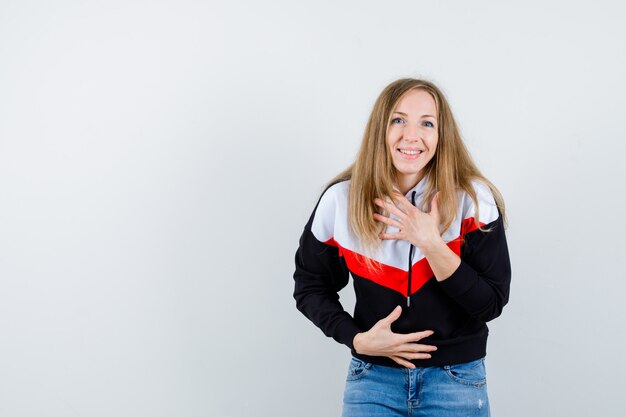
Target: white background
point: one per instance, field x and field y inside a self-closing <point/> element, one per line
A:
<point x="159" y="159"/>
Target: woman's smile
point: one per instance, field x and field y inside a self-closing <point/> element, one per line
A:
<point x="408" y="153"/>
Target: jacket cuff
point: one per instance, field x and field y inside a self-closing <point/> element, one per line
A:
<point x="461" y="280"/>
<point x="345" y="332"/>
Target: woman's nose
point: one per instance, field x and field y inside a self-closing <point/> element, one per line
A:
<point x="412" y="132"/>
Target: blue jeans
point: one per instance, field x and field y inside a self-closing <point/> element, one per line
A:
<point x="435" y="391"/>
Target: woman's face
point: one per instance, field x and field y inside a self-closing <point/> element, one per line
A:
<point x="412" y="136"/>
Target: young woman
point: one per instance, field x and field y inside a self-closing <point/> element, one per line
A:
<point x="421" y="231"/>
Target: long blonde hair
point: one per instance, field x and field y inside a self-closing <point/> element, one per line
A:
<point x="372" y="174"/>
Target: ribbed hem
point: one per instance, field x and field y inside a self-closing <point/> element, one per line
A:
<point x="461" y="280"/>
<point x="345" y="332"/>
<point x="448" y="352"/>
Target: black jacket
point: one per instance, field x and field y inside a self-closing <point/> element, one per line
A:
<point x="456" y="309"/>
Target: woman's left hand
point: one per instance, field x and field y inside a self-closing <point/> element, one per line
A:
<point x="416" y="226"/>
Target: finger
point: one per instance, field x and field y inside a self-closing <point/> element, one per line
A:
<point x="387" y="220"/>
<point x="413" y="355"/>
<point x="405" y="201"/>
<point x="400" y="201"/>
<point x="402" y="361"/>
<point x="417" y="336"/>
<point x="434" y="205"/>
<point x="390" y="207"/>
<point x="390" y="236"/>
<point x="393" y="316"/>
<point x="416" y="347"/>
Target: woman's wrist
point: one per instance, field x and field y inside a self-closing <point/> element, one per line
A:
<point x="442" y="260"/>
<point x="434" y="246"/>
<point x="356" y="342"/>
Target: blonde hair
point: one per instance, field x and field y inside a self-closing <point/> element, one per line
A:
<point x="372" y="174"/>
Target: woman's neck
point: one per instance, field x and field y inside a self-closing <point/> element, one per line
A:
<point x="404" y="182"/>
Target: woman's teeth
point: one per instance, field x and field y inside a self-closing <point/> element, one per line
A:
<point x="410" y="152"/>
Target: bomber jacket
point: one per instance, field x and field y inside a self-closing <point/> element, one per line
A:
<point x="456" y="309"/>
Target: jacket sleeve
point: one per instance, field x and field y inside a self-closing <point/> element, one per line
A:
<point x="320" y="273"/>
<point x="480" y="284"/>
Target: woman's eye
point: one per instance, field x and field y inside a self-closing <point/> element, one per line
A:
<point x="396" y="120"/>
<point x="429" y="124"/>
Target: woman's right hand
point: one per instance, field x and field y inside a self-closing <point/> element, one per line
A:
<point x="381" y="341"/>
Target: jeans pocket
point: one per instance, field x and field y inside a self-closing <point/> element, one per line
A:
<point x="357" y="369"/>
<point x="468" y="373"/>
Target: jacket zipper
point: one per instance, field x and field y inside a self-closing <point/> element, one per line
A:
<point x="408" y="292"/>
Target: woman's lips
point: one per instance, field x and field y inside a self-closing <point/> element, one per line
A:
<point x="410" y="156"/>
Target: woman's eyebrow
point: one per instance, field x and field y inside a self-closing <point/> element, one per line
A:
<point x="425" y="115"/>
